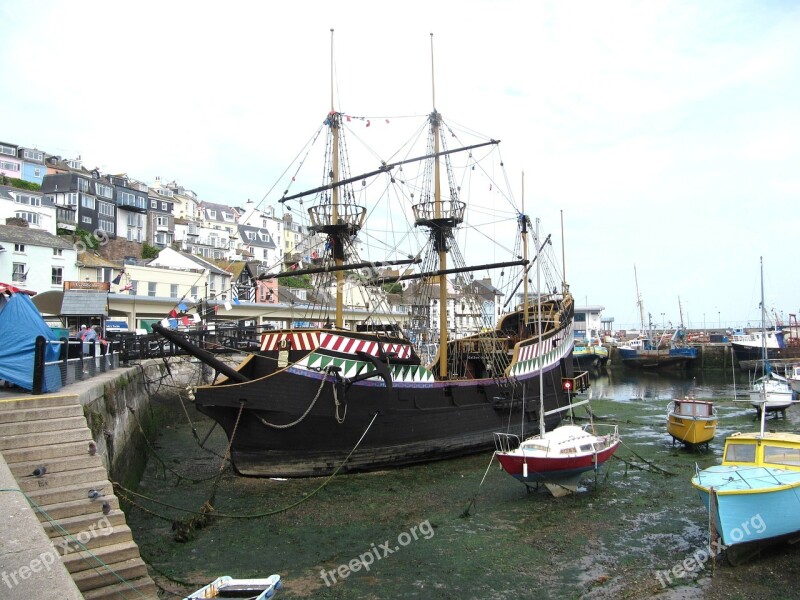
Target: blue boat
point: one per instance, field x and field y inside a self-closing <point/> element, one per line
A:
<point x="754" y="495"/>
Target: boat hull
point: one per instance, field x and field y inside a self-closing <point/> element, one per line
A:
<point x="300" y="420"/>
<point x="750" y="358"/>
<point x="553" y="470"/>
<point x="751" y="504"/>
<point x="692" y="431"/>
<point x="675" y="359"/>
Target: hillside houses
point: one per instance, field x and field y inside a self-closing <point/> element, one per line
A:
<point x="92" y="227"/>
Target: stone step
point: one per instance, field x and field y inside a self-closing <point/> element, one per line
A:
<point x="75" y="508"/>
<point x="54" y="481"/>
<point x="78" y="491"/>
<point x="94" y="524"/>
<point x="41" y="413"/>
<point x="24" y="470"/>
<point x="103" y="576"/>
<point x="121" y="533"/>
<point x="31" y="440"/>
<point x="44" y="453"/>
<point x="81" y="561"/>
<point x="42" y="426"/>
<point x="24" y="402"/>
<point x="138" y="589"/>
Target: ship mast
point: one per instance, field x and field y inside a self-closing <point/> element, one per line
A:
<point x="437" y="195"/>
<point x="339" y="260"/>
<point x="340" y="222"/>
<point x="524" y="232"/>
<point x="639" y="300"/>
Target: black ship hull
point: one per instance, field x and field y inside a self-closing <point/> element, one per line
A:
<point x="750" y="358"/>
<point x="310" y="419"/>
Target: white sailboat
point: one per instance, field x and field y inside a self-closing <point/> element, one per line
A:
<point x="556" y="458"/>
<point x="770" y="392"/>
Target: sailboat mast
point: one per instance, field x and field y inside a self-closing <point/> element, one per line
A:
<point x="763" y="322"/>
<point x="540" y="351"/>
<point x="334" y="120"/>
<point x="437" y="195"/>
<point x="639" y="300"/>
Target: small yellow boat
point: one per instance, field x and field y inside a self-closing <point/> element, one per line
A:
<point x="692" y="422"/>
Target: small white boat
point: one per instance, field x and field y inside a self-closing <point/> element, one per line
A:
<point x="771" y="393"/>
<point x="228" y="587"/>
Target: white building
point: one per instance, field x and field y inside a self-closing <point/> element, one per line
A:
<point x="35" y="259"/>
<point x="26" y="205"/>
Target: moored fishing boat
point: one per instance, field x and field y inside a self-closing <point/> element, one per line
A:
<point x="692" y="422"/>
<point x="354" y="395"/>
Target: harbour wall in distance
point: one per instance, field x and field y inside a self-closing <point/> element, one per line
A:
<point x="712" y="357"/>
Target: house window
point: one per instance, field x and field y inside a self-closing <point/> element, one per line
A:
<point x="32" y="155"/>
<point x="106" y="226"/>
<point x="58" y="252"/>
<point x="104" y="208"/>
<point x="87" y="201"/>
<point x="193" y="292"/>
<point x="26" y="199"/>
<point x="164" y="206"/>
<point x="173" y="290"/>
<point x="37" y="172"/>
<point x="212" y="214"/>
<point x="9" y="166"/>
<point x="162" y="221"/>
<point x="72" y="199"/>
<point x="30" y="217"/>
<point x="57" y="277"/>
<point x="153" y="203"/>
<point x="83" y="185"/>
<point x="18" y="273"/>
<point x="134" y="286"/>
<point x="9" y="150"/>
<point x="86" y="220"/>
<point x="151" y="288"/>
<point x="103" y="190"/>
<point x="19" y="247"/>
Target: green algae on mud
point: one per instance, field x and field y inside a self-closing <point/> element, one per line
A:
<point x="610" y="541"/>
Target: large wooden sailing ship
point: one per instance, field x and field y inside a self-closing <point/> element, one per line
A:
<point x="362" y="396"/>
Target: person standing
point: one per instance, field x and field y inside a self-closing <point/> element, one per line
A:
<point x="89" y="337"/>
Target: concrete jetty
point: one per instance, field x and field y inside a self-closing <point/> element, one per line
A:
<point x="58" y="467"/>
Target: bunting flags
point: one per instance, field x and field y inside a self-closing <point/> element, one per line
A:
<point x="228" y="306"/>
<point x="118" y="278"/>
<point x="173" y="313"/>
<point x="127" y="288"/>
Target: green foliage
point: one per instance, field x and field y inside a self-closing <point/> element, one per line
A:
<point x="149" y="251"/>
<point x="300" y="281"/>
<point x="20" y="183"/>
<point x="393" y="288"/>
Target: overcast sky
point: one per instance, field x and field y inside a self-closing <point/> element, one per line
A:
<point x="668" y="133"/>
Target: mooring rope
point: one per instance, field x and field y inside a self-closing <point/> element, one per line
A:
<point x="305" y="414"/>
<point x="126" y="491"/>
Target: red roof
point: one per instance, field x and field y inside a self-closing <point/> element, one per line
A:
<point x="5" y="287"/>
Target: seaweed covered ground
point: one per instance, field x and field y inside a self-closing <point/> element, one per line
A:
<point x="455" y="529"/>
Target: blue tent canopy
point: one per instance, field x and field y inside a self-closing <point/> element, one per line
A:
<point x="21" y="324"/>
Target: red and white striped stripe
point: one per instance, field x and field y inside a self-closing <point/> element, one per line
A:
<point x="307" y="340"/>
<point x="349" y="345"/>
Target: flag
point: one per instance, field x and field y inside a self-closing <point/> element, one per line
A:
<point x="127" y="287"/>
<point x="367" y="122"/>
<point x="165" y="322"/>
<point x="216" y="307"/>
<point x="118" y="278"/>
<point x="197" y="318"/>
<point x="236" y="301"/>
<point x="185" y="320"/>
<point x="228" y="306"/>
<point x="173" y="313"/>
<point x="182" y="307"/>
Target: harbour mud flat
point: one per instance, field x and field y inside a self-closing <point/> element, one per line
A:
<point x="435" y="531"/>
